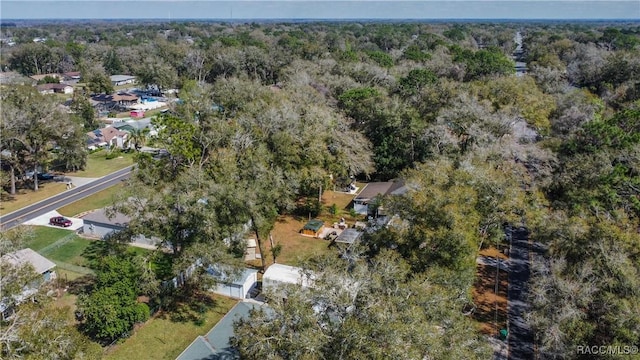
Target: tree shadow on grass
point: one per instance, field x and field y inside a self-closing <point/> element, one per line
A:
<point x="82" y="285"/>
<point x="191" y="308"/>
<point x="99" y="249"/>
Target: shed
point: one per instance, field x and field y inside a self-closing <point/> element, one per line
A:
<point x="238" y="288"/>
<point x="313" y="228"/>
<point x="348" y="236"/>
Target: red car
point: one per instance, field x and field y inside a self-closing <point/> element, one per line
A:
<point x="60" y="221"/>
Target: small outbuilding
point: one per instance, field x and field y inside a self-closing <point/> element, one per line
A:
<point x="237" y="288"/>
<point x="348" y="236"/>
<point x="313" y="228"/>
<point x="278" y="276"/>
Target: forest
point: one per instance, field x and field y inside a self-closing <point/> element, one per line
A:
<point x="269" y="113"/>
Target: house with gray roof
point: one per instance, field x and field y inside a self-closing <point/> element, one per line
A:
<point x="97" y="224"/>
<point x="215" y="344"/>
<point x="367" y="202"/>
<point x="41" y="264"/>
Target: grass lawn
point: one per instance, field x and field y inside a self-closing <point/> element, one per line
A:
<point x="295" y="247"/>
<point x="96" y="201"/>
<point x="163" y="338"/>
<point x="25" y="197"/>
<point x="42" y="236"/>
<point x="98" y="165"/>
<point x="70" y="252"/>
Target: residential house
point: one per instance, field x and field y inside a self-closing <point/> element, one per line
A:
<point x="367" y="202"/>
<point x="55" y="88"/>
<point x="113" y="102"/>
<point x="72" y="75"/>
<point x="108" y="136"/>
<point x="40" y="264"/>
<point x="43" y="76"/>
<point x="98" y="225"/>
<point x="119" y="80"/>
<point x="215" y="344"/>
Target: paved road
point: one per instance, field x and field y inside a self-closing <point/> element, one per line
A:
<point x="520" y="338"/>
<point x="19" y="216"/>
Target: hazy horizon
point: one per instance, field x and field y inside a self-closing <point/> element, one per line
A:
<point x="319" y="10"/>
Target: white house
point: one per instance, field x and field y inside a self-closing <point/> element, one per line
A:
<point x="55" y="88"/>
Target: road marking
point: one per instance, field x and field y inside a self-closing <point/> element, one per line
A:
<point x="98" y="182"/>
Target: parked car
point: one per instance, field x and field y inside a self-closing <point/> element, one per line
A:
<point x="60" y="221"/>
<point x="46" y="176"/>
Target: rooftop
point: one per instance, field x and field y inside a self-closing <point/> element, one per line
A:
<point x="348" y="236"/>
<point x="314" y="225"/>
<point x="215" y="344"/>
<point x="100" y="216"/>
<point x="121" y="77"/>
<point x="374" y="189"/>
<point x="27" y="256"/>
<point x="284" y="274"/>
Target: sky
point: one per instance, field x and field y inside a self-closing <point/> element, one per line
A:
<point x="319" y="9"/>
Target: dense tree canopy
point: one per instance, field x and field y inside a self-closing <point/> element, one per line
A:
<point x="270" y="114"/>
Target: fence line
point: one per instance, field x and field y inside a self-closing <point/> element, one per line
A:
<point x="74" y="268"/>
<point x="58" y="243"/>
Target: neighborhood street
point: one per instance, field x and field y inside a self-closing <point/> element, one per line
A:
<point x="69" y="196"/>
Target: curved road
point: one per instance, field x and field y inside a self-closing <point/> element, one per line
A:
<point x="57" y="201"/>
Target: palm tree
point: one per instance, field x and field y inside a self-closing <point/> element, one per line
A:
<point x="139" y="137"/>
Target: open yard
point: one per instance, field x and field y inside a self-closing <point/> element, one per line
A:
<point x="165" y="337"/>
<point x="491" y="306"/>
<point x="297" y="248"/>
<point x="41" y="236"/>
<point x="98" y="165"/>
<point x="96" y="201"/>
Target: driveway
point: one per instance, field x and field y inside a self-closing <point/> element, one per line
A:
<point x="43" y="220"/>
